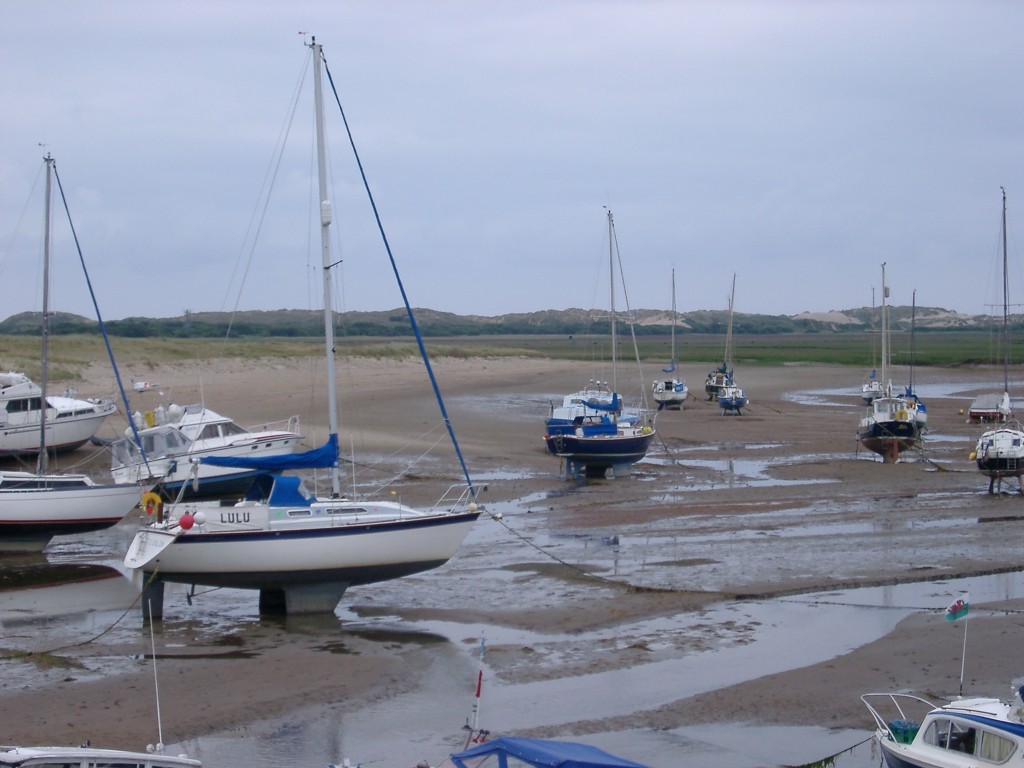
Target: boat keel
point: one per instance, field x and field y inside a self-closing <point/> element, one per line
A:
<point x="302" y="599"/>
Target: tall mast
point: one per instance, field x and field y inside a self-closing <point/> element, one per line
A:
<point x="325" y="249"/>
<point x="611" y="282"/>
<point x="913" y="327"/>
<point x="885" y="335"/>
<point x="1006" y="305"/>
<point x="673" y="317"/>
<point x="728" y="327"/>
<point x="41" y="458"/>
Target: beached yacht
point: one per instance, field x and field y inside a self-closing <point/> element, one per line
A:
<point x="166" y="446"/>
<point x="70" y="421"/>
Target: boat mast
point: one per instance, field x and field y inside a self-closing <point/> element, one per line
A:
<point x="611" y="282"/>
<point x="41" y="458"/>
<point x="325" y="249"/>
<point x="885" y="336"/>
<point x="674" y="318"/>
<point x="728" y="327"/>
<point x="913" y="326"/>
<point x="1006" y="305"/>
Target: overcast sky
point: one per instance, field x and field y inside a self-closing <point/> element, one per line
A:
<point x="797" y="144"/>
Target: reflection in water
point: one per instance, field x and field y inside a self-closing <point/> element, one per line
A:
<point x="748" y="639"/>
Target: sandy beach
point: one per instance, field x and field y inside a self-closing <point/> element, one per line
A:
<point x="777" y="502"/>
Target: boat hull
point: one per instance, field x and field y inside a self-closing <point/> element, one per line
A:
<point x="278" y="558"/>
<point x="890" y="438"/>
<point x="1000" y="453"/>
<point x="670" y="393"/>
<point x="732" y="399"/>
<point x="67" y="434"/>
<point x="34" y="509"/>
<point x="595" y="455"/>
<point x="175" y="450"/>
<point x="962" y="734"/>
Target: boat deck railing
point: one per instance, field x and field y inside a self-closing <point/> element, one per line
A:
<point x="898" y="715"/>
<point x="455" y="498"/>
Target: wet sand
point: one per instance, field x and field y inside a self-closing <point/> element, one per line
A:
<point x="779" y="501"/>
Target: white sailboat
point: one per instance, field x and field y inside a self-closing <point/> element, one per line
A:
<point x="35" y="507"/>
<point x="891" y="424"/>
<point x="1000" y="452"/>
<point x="872" y="387"/>
<point x="671" y="392"/>
<point x="300" y="551"/>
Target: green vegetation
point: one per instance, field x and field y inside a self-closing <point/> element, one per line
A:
<point x="70" y="354"/>
<point x="841" y="338"/>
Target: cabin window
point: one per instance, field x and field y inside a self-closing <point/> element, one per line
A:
<point x="346" y="511"/>
<point x="230" y="428"/>
<point x="937" y="733"/>
<point x="962" y="738"/>
<point x="24" y="405"/>
<point x="209" y="432"/>
<point x="995" y="748"/>
<point x="299" y="513"/>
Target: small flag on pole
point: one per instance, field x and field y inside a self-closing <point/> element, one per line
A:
<point x="958" y="609"/>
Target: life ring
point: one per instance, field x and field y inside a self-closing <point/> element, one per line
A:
<point x="151" y="502"/>
<point x="902" y="415"/>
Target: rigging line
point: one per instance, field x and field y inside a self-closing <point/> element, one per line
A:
<point x="401" y="286"/>
<point x="259" y="215"/>
<point x="99" y="316"/>
<point x="9" y="247"/>
<point x="629" y="317"/>
<point x="109" y="628"/>
<point x="634" y="588"/>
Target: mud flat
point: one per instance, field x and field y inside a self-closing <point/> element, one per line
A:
<point x="758" y="570"/>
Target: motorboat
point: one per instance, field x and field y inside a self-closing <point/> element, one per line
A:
<point x="166" y="445"/>
<point x="70" y="421"/>
<point x="912" y="732"/>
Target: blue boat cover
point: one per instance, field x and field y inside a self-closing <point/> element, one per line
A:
<point x="614" y="405"/>
<point x="287" y="493"/>
<point x="319" y="458"/>
<point x="541" y="753"/>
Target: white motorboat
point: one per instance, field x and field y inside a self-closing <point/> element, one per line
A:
<point x="671" y="392"/>
<point x="89" y="757"/>
<point x="299" y="550"/>
<point x="69" y="420"/>
<point x="999" y="452"/>
<point x="35" y="507"/>
<point x="174" y="439"/>
<point x="966" y="733"/>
